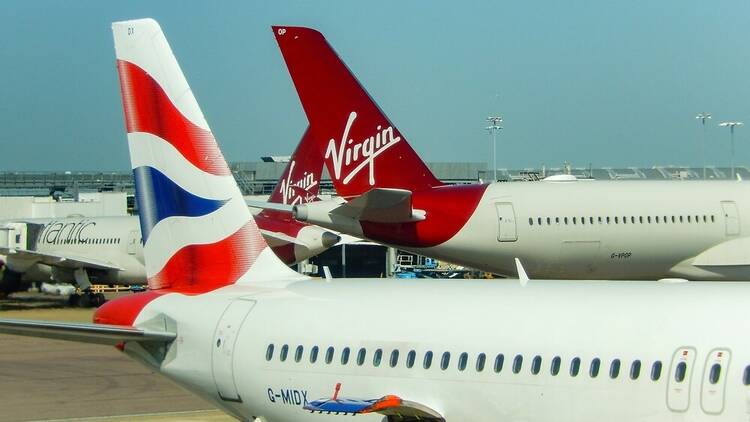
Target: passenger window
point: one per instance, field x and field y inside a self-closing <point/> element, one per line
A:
<point x="536" y="364"/>
<point x="714" y="374"/>
<point x="410" y="358"/>
<point x="607" y="220"/>
<point x="531" y="221"/>
<point x="713" y="219"/>
<point x="377" y="357"/>
<point x="499" y="363"/>
<point x="583" y="220"/>
<point x="656" y="371"/>
<point x="481" y="359"/>
<point x="640" y="219"/>
<point x="549" y="221"/>
<point x="632" y="220"/>
<point x="614" y="369"/>
<point x="648" y="219"/>
<point x="600" y="220"/>
<point x="539" y="220"/>
<point x="575" y="367"/>
<point x="673" y="219"/>
<point x="594" y="368"/>
<point x="566" y="220"/>
<point x="617" y="220"/>
<point x="517" y="364"/>
<point x="680" y="219"/>
<point x="329" y="354"/>
<point x="656" y="219"/>
<point x="624" y="220"/>
<point x="689" y="219"/>
<point x="361" y="355"/>
<point x="269" y="352"/>
<point x="697" y="220"/>
<point x="298" y="353"/>
<point x="463" y="359"/>
<point x="445" y="360"/>
<point x="554" y="368"/>
<point x="665" y="219"/>
<point x="345" y="356"/>
<point x="574" y="220"/>
<point x="284" y="352"/>
<point x="557" y="220"/>
<point x="746" y="376"/>
<point x="394" y="358"/>
<point x="635" y="370"/>
<point x="591" y="220"/>
<point x="314" y="354"/>
<point x="679" y="373"/>
<point x="704" y="219"/>
<point x="427" y="360"/>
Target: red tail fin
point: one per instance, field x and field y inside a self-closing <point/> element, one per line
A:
<point x="361" y="146"/>
<point x="300" y="182"/>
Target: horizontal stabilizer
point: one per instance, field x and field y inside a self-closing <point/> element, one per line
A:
<point x="381" y="205"/>
<point x="80" y="332"/>
<point x="278" y="238"/>
<point x="387" y="405"/>
<point x="268" y="205"/>
<point x="59" y="260"/>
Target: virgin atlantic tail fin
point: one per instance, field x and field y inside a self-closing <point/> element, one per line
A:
<point x="362" y="148"/>
<point x="300" y="182"/>
<point x="198" y="234"/>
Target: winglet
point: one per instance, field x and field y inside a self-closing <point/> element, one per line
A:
<point x="523" y="278"/>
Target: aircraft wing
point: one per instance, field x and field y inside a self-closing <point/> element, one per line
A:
<point x="388" y="405"/>
<point x="85" y="333"/>
<point x="59" y="260"/>
<point x="381" y="205"/>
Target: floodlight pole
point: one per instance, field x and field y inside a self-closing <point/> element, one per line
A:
<point x="731" y="126"/>
<point x="703" y="117"/>
<point x="493" y="128"/>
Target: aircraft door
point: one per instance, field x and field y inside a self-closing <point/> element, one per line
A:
<point x="506" y="222"/>
<point x="14" y="236"/>
<point x="133" y="238"/>
<point x="680" y="376"/>
<point x="714" y="381"/>
<point x="225" y="339"/>
<point x="731" y="218"/>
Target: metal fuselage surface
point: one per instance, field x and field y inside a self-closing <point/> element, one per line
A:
<point x="583" y="229"/>
<point x="687" y="329"/>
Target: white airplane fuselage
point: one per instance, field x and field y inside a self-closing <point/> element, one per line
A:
<point x="221" y="352"/>
<point x="582" y="229"/>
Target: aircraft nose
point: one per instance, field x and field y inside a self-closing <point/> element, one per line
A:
<point x="329" y="239"/>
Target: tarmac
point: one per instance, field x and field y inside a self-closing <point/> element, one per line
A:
<point x="52" y="380"/>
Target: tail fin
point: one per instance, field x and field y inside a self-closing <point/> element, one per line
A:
<point x="362" y="148"/>
<point x="300" y="182"/>
<point x="198" y="234"/>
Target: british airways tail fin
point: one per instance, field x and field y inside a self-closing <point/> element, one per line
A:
<point x="362" y="148"/>
<point x="198" y="234"/>
<point x="300" y="182"/>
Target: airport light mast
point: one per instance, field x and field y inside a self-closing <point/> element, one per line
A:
<point x="731" y="126"/>
<point x="703" y="117"/>
<point x="493" y="128"/>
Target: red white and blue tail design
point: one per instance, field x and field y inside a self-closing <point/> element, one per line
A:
<point x="198" y="234"/>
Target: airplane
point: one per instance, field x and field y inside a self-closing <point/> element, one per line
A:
<point x="109" y="250"/>
<point x="227" y="320"/>
<point x="559" y="228"/>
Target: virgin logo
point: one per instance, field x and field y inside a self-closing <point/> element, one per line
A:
<point x="297" y="192"/>
<point x="359" y="154"/>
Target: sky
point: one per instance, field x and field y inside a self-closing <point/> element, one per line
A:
<point x="602" y="83"/>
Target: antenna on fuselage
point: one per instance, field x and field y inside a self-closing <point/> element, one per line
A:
<point x="523" y="278"/>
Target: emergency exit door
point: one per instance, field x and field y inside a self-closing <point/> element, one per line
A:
<point x="731" y="218"/>
<point x="506" y="222"/>
<point x="680" y="379"/>
<point x="225" y="340"/>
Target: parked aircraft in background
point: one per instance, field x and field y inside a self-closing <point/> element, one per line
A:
<point x="109" y="250"/>
<point x="560" y="229"/>
<point x="589" y="351"/>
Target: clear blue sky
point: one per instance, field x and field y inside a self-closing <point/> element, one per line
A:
<point x="611" y="83"/>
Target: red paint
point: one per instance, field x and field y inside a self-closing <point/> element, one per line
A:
<point x="304" y="165"/>
<point x="125" y="309"/>
<point x="329" y="94"/>
<point x="448" y="209"/>
<point x="200" y="268"/>
<point x="148" y="109"/>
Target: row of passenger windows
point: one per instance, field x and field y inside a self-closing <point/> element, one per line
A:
<point x="657" y="219"/>
<point x="480" y="362"/>
<point x="89" y="241"/>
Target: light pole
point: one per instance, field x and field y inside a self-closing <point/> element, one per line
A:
<point x="731" y="126"/>
<point x="703" y="117"/>
<point x="493" y="128"/>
